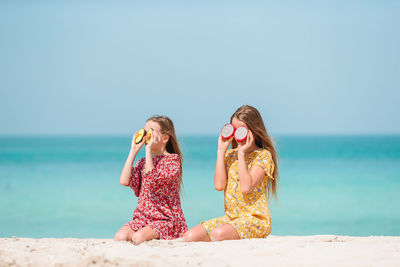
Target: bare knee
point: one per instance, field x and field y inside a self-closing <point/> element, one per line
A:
<point x="140" y="237"/>
<point x="121" y="236"/>
<point x="224" y="232"/>
<point x="189" y="236"/>
<point x="217" y="234"/>
<point x="137" y="238"/>
<point x="197" y="233"/>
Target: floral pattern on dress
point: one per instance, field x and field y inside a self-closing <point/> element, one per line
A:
<point x="159" y="205"/>
<point x="248" y="214"/>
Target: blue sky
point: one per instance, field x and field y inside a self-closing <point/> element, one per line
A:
<point x="103" y="67"/>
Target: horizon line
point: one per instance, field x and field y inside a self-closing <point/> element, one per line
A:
<point x="200" y="135"/>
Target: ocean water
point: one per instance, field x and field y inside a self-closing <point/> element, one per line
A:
<point x="69" y="186"/>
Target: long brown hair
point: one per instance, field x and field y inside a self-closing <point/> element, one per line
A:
<point x="255" y="123"/>
<point x="167" y="127"/>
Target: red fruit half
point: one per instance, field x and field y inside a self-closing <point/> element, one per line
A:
<point x="227" y="131"/>
<point x="241" y="134"/>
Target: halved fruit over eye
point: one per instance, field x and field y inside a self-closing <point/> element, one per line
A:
<point x="139" y="137"/>
<point x="148" y="136"/>
<point x="227" y="131"/>
<point x="241" y="134"/>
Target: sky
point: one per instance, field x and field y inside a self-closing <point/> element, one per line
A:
<point x="104" y="67"/>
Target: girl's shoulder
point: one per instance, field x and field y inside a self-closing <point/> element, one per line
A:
<point x="263" y="158"/>
<point x="159" y="158"/>
<point x="261" y="155"/>
<point x="171" y="157"/>
<point x="263" y="152"/>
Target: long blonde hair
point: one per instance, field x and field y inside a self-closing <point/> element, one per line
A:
<point x="167" y="127"/>
<point x="255" y="123"/>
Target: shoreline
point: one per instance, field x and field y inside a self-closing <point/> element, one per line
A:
<point x="315" y="250"/>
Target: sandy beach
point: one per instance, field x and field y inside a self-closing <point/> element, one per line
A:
<point x="318" y="250"/>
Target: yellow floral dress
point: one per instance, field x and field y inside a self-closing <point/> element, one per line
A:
<point x="248" y="214"/>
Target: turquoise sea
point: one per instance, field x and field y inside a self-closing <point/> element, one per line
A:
<point x="69" y="186"/>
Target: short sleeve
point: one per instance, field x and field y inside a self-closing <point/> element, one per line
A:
<point x="264" y="160"/>
<point x="135" y="181"/>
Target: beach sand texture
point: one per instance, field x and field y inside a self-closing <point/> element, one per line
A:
<point x="320" y="250"/>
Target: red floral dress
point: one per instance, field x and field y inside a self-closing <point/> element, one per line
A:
<point x="159" y="205"/>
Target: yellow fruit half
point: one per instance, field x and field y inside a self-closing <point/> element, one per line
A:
<point x="140" y="135"/>
<point x="148" y="136"/>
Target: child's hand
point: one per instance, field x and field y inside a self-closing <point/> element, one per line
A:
<point x="155" y="139"/>
<point x="136" y="147"/>
<point x="244" y="147"/>
<point x="223" y="143"/>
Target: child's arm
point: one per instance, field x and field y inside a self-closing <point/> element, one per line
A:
<point x="149" y="166"/>
<point x="248" y="180"/>
<point x="127" y="170"/>
<point x="220" y="175"/>
<point x="155" y="139"/>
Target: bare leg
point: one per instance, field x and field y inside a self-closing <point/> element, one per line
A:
<point x="224" y="232"/>
<point x="124" y="234"/>
<point x="197" y="233"/>
<point x="144" y="234"/>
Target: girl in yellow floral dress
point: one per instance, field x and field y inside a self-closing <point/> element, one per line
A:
<point x="248" y="174"/>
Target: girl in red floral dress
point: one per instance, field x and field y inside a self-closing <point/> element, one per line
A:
<point x="156" y="180"/>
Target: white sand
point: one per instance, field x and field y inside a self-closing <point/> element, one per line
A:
<point x="273" y="251"/>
